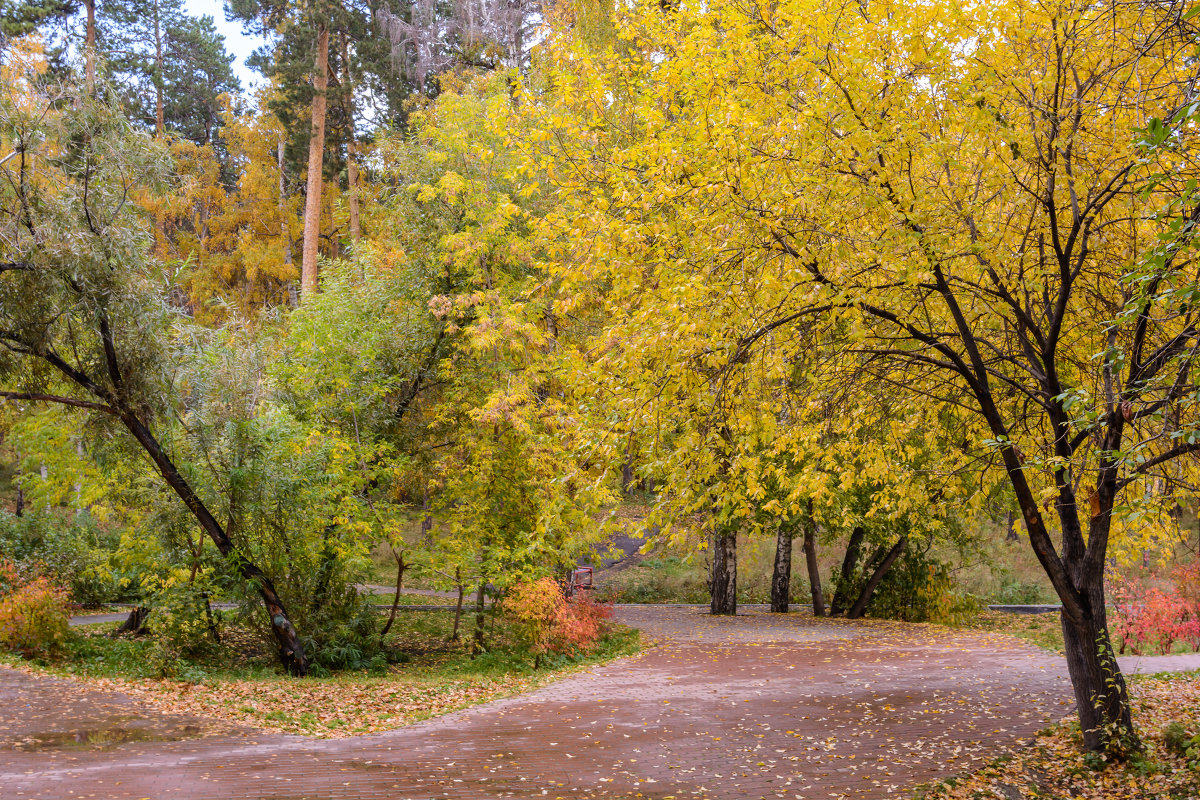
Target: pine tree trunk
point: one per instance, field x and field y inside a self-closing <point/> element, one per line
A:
<point x="352" y="189"/>
<point x="316" y="155"/>
<point x="90" y="48"/>
<point x="781" y="577"/>
<point x="159" y="115"/>
<point x="351" y="147"/>
<point x="723" y="573"/>
<point x="285" y="230"/>
<point x="814" y="569"/>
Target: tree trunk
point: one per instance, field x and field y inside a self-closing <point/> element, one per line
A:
<point x="477" y="641"/>
<point x="814" y="569"/>
<point x="352" y="189"/>
<point x="400" y="567"/>
<point x="291" y="650"/>
<point x="159" y="115"/>
<point x="208" y="615"/>
<point x="722" y="584"/>
<point x="285" y="230"/>
<point x="781" y="577"/>
<point x="1011" y="534"/>
<point x="864" y="597"/>
<point x="458" y="607"/>
<point x="1100" y="692"/>
<point x="134" y="624"/>
<point x="89" y="48"/>
<point x="841" y="597"/>
<point x="351" y="146"/>
<point x="316" y="155"/>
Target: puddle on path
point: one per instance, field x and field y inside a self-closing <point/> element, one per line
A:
<point x="103" y="737"/>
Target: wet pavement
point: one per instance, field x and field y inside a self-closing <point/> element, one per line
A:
<point x="755" y="706"/>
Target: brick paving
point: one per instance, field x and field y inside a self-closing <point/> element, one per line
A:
<point x="756" y="706"/>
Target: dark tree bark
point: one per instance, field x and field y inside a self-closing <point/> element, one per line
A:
<point x="814" y="569"/>
<point x="291" y="650"/>
<point x="134" y="624"/>
<point x="864" y="597"/>
<point x="627" y="473"/>
<point x="400" y="567"/>
<point x="781" y="577"/>
<point x="477" y="640"/>
<point x="722" y="584"/>
<point x="841" y="597"/>
<point x="209" y="618"/>
<point x="459" y="605"/>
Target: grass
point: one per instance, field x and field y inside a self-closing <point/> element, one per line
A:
<point x="1042" y="630"/>
<point x="1167" y="714"/>
<point x="238" y="683"/>
<point x="420" y="600"/>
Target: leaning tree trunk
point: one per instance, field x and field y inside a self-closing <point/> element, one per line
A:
<point x="316" y="156"/>
<point x="401" y="566"/>
<point x="291" y="650"/>
<point x="723" y="572"/>
<point x="814" y="569"/>
<point x="781" y="577"/>
<point x="864" y="597"/>
<point x="841" y="597"/>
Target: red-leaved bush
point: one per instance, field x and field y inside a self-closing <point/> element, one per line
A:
<point x="585" y="622"/>
<point x="1148" y="619"/>
<point x="547" y="623"/>
<point x="34" y="618"/>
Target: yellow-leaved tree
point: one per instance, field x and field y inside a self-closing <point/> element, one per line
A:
<point x="990" y="207"/>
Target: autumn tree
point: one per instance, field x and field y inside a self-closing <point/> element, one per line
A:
<point x="992" y="201"/>
<point x="83" y="320"/>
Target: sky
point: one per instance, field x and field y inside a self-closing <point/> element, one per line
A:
<point x="236" y="42"/>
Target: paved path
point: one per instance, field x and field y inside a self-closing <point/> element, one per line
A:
<point x="755" y="706"/>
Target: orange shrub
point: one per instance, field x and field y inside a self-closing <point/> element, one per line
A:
<point x="537" y="608"/>
<point x="34" y="619"/>
<point x="547" y="623"/>
<point x="584" y="622"/>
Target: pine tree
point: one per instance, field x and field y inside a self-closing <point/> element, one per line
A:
<point x="170" y="67"/>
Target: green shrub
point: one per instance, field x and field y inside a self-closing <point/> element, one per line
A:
<point x="1017" y="592"/>
<point x="920" y="588"/>
<point x="33" y="619"/>
<point x="71" y="549"/>
<point x="1176" y="738"/>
